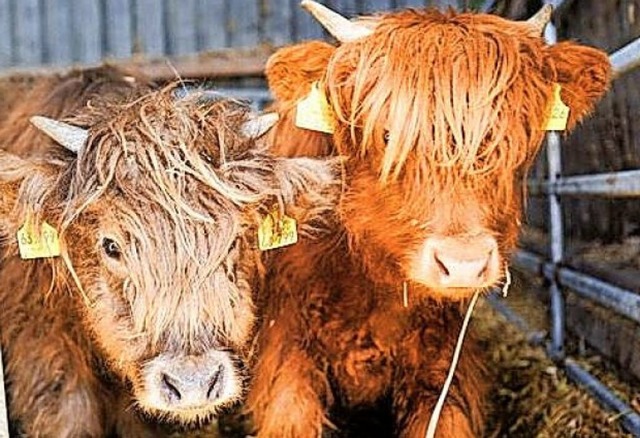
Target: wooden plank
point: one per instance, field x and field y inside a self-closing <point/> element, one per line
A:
<point x="230" y="63"/>
<point x="210" y="24"/>
<point x="149" y="27"/>
<point x="445" y="4"/>
<point x="56" y="22"/>
<point x="347" y="8"/>
<point x="277" y="16"/>
<point x="118" y="28"/>
<point x="410" y="3"/>
<point x="242" y="23"/>
<point x="305" y="27"/>
<point x="86" y="31"/>
<point x="6" y="38"/>
<point x="221" y="64"/>
<point x="27" y="32"/>
<point x="369" y="6"/>
<point x="181" y="32"/>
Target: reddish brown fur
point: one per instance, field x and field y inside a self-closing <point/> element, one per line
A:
<point x="181" y="191"/>
<point x="462" y="99"/>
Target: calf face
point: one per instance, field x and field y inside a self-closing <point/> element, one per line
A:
<point x="157" y="209"/>
<point x="441" y="116"/>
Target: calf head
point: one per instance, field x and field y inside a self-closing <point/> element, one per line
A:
<point x="440" y="116"/>
<point x="157" y="207"/>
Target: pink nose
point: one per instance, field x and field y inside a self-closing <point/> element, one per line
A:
<point x="459" y="262"/>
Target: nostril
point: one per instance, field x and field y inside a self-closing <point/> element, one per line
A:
<point x="170" y="387"/>
<point x="215" y="384"/>
<point x="441" y="266"/>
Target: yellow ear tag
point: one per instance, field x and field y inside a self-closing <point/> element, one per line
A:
<point x="277" y="230"/>
<point x="314" y="113"/>
<point x="558" y="112"/>
<point x="36" y="243"/>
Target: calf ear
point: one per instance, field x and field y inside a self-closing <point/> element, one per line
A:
<point x="10" y="177"/>
<point x="291" y="70"/>
<point x="310" y="189"/>
<point x="584" y="73"/>
<point x="24" y="185"/>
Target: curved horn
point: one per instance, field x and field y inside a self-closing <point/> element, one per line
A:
<point x="539" y="21"/>
<point x="69" y="136"/>
<point x="342" y="29"/>
<point x="259" y="125"/>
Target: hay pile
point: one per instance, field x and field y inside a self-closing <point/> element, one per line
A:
<point x="532" y="397"/>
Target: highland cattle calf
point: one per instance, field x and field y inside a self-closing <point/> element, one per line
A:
<point x="439" y="116"/>
<point x="152" y="203"/>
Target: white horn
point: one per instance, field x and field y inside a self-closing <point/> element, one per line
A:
<point x="259" y="125"/>
<point x="540" y="20"/>
<point x="342" y="29"/>
<point x="69" y="136"/>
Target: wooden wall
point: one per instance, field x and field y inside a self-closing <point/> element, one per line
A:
<point x="61" y="32"/>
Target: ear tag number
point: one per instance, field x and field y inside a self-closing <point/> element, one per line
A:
<point x="314" y="113"/>
<point x="35" y="243"/>
<point x="276" y="231"/>
<point x="558" y="112"/>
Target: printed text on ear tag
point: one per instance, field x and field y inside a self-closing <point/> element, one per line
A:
<point x="558" y="112"/>
<point x="37" y="243"/>
<point x="277" y="230"/>
<point x="314" y="113"/>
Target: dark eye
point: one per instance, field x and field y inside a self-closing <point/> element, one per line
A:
<point x="386" y="137"/>
<point x="111" y="248"/>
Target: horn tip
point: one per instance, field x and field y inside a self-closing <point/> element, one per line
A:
<point x="37" y="120"/>
<point x="307" y="4"/>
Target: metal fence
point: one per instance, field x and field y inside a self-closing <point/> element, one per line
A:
<point x="619" y="300"/>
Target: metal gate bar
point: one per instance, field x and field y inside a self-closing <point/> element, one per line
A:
<point x="622" y="184"/>
<point x="621" y="301"/>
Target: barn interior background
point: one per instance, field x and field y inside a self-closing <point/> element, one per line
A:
<point x="228" y="41"/>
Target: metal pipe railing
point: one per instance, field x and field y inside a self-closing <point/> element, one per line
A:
<point x="554" y="159"/>
<point x="629" y="418"/>
<point x="624" y="184"/>
<point x="623" y="302"/>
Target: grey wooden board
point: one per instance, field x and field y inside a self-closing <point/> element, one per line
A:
<point x="27" y="43"/>
<point x="180" y="17"/>
<point x="211" y="24"/>
<point x="6" y="39"/>
<point x="87" y="31"/>
<point x="242" y="23"/>
<point x="118" y="28"/>
<point x="305" y="27"/>
<point x="410" y="3"/>
<point x="149" y="30"/>
<point x="369" y="6"/>
<point x="277" y="16"/>
<point x="445" y="4"/>
<point x="347" y="8"/>
<point x="56" y="21"/>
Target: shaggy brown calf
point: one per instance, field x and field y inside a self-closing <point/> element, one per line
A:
<point x="440" y="116"/>
<point x="150" y="306"/>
